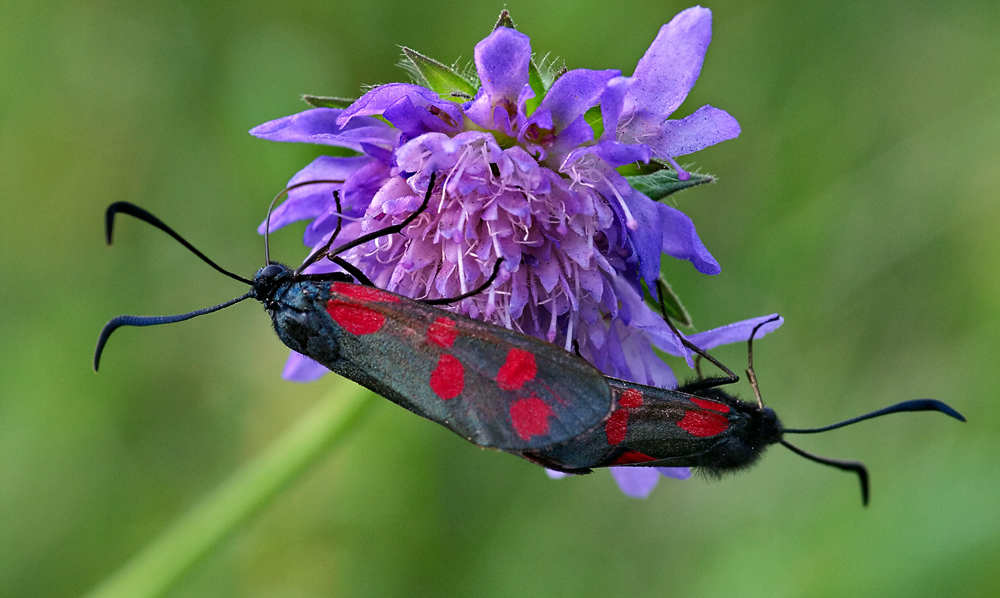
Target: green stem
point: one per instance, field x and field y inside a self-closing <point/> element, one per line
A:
<point x="163" y="562"/>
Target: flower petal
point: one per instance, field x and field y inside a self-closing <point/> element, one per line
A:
<point x="737" y="332"/>
<point x="707" y="126"/>
<point x="502" y="61"/>
<point x="319" y="125"/>
<point x="681" y="241"/>
<point x="670" y="67"/>
<point x="300" y="368"/>
<point x="636" y="482"/>
<point x="678" y="473"/>
<point x="377" y="100"/>
<point x="649" y="237"/>
<point x="311" y="201"/>
<point x="574" y="93"/>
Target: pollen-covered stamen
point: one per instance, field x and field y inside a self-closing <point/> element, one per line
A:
<point x="586" y="172"/>
<point x="682" y="175"/>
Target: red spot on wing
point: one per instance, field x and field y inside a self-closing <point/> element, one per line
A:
<point x="448" y="378"/>
<point x="617" y="426"/>
<point x="442" y="332"/>
<point x="519" y="368"/>
<point x="703" y="423"/>
<point x="530" y="417"/>
<point x="632" y="457"/>
<point x="363" y="293"/>
<point x="354" y="318"/>
<point x="710" y="405"/>
<point x="631" y="398"/>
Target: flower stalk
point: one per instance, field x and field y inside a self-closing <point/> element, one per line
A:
<point x="163" y="562"/>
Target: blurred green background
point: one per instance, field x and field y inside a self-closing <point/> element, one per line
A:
<point x="860" y="202"/>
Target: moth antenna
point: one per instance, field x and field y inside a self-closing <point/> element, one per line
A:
<point x="855" y="466"/>
<point x="914" y="405"/>
<point x="750" y="372"/>
<point x="731" y="377"/>
<point x="120" y="321"/>
<point x="284" y="192"/>
<point x="475" y="291"/>
<point x="135" y="211"/>
<point x="389" y="230"/>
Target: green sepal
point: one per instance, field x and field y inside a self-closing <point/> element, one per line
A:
<point x="327" y="102"/>
<point x="662" y="182"/>
<point x="537" y="83"/>
<point x="596" y="122"/>
<point x="438" y="77"/>
<point x="504" y="20"/>
<point x="675" y="309"/>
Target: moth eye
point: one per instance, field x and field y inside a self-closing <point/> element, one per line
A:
<point x="270" y="271"/>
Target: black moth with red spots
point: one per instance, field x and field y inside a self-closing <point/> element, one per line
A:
<point x="498" y="388"/>
<point x="494" y="387"/>
<point x="669" y="428"/>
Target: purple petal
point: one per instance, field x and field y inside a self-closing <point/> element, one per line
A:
<point x="310" y="201"/>
<point x="574" y="93"/>
<point x="707" y="126"/>
<point x="681" y="241"/>
<point x="376" y="101"/>
<point x="556" y="475"/>
<point x="612" y="103"/>
<point x="648" y="238"/>
<point x="412" y="115"/>
<point x="636" y="482"/>
<point x="735" y="333"/>
<point x="678" y="473"/>
<point x="319" y="125"/>
<point x="577" y="133"/>
<point x="670" y="67"/>
<point x="502" y="61"/>
<point x="617" y="154"/>
<point x="300" y="368"/>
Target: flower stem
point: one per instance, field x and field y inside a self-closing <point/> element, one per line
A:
<point x="196" y="533"/>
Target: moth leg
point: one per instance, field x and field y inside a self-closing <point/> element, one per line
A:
<point x="326" y="248"/>
<point x="730" y="378"/>
<point x="473" y="292"/>
<point x="353" y="271"/>
<point x="750" y="372"/>
<point x="389" y="230"/>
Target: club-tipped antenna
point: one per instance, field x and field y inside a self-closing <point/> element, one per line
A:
<point x="116" y="323"/>
<point x="284" y="192"/>
<point x="135" y="211"/>
<point x="914" y="405"/>
<point x="855" y="466"/>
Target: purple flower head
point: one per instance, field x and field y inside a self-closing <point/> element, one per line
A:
<point x="528" y="168"/>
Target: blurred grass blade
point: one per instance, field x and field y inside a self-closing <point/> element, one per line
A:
<point x="196" y="533"/>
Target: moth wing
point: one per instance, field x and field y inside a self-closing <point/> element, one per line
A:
<point x="495" y="387"/>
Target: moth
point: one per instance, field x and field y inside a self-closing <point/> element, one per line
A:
<point x="495" y="387"/>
